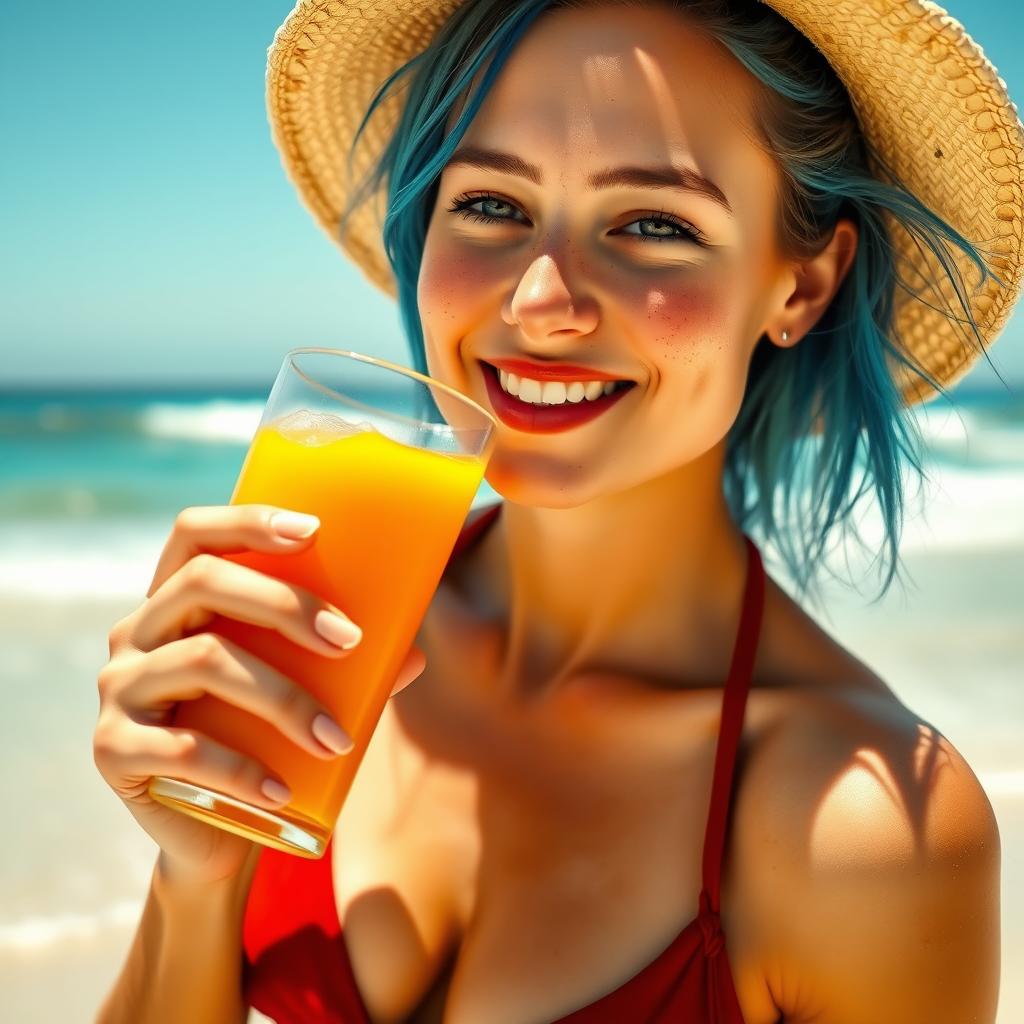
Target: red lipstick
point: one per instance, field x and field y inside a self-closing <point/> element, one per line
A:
<point x="566" y="372"/>
<point x="546" y="419"/>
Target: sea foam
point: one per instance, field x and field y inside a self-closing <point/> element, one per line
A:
<point x="216" y="421"/>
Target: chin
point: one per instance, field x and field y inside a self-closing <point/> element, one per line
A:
<point x="540" y="482"/>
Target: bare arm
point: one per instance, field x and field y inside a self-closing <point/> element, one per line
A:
<point x="883" y="856"/>
<point x="186" y="960"/>
<point x="921" y="943"/>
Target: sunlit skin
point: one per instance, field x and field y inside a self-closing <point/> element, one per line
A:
<point x="615" y="548"/>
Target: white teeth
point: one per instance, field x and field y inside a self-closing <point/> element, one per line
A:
<point x="553" y="392"/>
<point x="530" y="390"/>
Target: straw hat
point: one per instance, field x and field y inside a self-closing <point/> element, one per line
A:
<point x="926" y="96"/>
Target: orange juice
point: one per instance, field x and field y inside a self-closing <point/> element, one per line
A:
<point x="390" y="516"/>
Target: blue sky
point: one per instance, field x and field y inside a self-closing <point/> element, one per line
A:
<point x="149" y="232"/>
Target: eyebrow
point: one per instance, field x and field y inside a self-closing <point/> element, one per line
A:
<point x="667" y="176"/>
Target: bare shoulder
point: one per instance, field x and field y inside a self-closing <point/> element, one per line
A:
<point x="874" y="853"/>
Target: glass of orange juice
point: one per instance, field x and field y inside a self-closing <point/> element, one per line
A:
<point x="390" y="461"/>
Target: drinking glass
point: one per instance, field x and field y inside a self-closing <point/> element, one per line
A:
<point x="390" y="461"/>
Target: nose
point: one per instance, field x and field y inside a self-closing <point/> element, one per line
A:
<point x="542" y="306"/>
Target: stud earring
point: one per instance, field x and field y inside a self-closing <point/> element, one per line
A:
<point x="785" y="337"/>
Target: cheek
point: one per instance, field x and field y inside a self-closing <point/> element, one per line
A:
<point x="694" y="339"/>
<point x="450" y="283"/>
<point x="686" y="325"/>
<point x="451" y="289"/>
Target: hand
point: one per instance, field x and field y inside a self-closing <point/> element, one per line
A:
<point x="157" y="658"/>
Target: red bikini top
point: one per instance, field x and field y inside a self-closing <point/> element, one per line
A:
<point x="296" y="966"/>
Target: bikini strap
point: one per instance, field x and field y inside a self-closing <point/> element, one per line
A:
<point x="734" y="701"/>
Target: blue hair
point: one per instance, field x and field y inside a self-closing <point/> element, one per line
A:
<point x="839" y="376"/>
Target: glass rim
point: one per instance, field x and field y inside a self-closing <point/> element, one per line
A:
<point x="422" y="378"/>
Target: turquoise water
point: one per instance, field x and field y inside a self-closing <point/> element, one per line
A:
<point x="95" y="454"/>
<point x="91" y="455"/>
<point x="90" y="480"/>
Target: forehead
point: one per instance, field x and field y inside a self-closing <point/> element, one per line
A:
<point x="584" y="83"/>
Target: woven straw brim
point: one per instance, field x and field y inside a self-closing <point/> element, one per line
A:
<point x="927" y="98"/>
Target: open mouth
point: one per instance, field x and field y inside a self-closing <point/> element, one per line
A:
<point x="540" y="418"/>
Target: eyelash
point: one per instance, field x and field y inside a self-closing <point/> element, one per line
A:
<point x="460" y="205"/>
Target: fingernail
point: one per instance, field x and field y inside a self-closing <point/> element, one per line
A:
<point x="336" y="630"/>
<point x="273" y="790"/>
<point x="294" y="525"/>
<point x="331" y="735"/>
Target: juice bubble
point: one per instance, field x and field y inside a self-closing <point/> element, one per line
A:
<point x="317" y="428"/>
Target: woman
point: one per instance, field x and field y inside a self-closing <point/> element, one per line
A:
<point x="633" y="781"/>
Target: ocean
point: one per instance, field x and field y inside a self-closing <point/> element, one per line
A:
<point x="90" y="480"/>
<point x="90" y="483"/>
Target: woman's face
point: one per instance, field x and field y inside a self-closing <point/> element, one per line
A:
<point x="669" y="287"/>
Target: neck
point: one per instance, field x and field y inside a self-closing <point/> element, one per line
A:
<point x="646" y="583"/>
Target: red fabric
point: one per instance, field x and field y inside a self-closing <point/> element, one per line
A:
<point x="296" y="965"/>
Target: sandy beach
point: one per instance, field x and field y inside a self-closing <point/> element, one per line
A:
<point x="71" y="888"/>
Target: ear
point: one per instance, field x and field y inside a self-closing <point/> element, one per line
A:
<point x="816" y="281"/>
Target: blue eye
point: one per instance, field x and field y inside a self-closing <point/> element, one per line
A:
<point x="462" y="206"/>
<point x="668" y="220"/>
